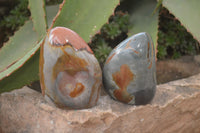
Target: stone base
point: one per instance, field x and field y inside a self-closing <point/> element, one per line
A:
<point x="175" y="108"/>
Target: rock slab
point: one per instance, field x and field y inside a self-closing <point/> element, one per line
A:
<point x="175" y="108"/>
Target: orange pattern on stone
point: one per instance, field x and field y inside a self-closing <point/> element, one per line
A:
<point x="122" y="79"/>
<point x="129" y="47"/>
<point x="77" y="90"/>
<point x="41" y="66"/>
<point x="148" y="50"/>
<point x="64" y="36"/>
<point x="150" y="65"/>
<point x="110" y="58"/>
<point x="69" y="63"/>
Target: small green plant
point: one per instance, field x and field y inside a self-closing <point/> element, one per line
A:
<point x="111" y="34"/>
<point x="17" y="16"/>
<point x="173" y="39"/>
<point x="118" y="24"/>
<point x="15" y="19"/>
<point x="19" y="57"/>
<point x="102" y="51"/>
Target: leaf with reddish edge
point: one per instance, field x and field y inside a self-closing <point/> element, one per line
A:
<point x="25" y="39"/>
<point x="23" y="45"/>
<point x="19" y="63"/>
<point x="84" y="17"/>
<point x="29" y="71"/>
<point x="17" y="47"/>
<point x="187" y="12"/>
<point x="23" y="76"/>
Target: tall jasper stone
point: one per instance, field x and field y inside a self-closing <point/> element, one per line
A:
<point x="70" y="75"/>
<point x="129" y="73"/>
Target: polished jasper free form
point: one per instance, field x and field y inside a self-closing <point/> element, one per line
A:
<point x="129" y="73"/>
<point x="70" y="75"/>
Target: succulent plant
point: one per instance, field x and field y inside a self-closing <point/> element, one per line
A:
<point x="19" y="57"/>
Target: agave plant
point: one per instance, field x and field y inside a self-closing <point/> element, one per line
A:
<point x="19" y="57"/>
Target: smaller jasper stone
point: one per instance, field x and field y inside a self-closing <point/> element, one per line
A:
<point x="70" y="75"/>
<point x="129" y="73"/>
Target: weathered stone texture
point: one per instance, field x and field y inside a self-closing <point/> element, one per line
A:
<point x="175" y="108"/>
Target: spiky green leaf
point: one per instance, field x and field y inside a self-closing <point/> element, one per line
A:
<point x="23" y="76"/>
<point x="19" y="63"/>
<point x="85" y="17"/>
<point x="188" y="13"/>
<point x="37" y="9"/>
<point x="25" y="41"/>
<point x="23" y="45"/>
<point x="142" y="18"/>
<point x="29" y="71"/>
<point x="17" y="47"/>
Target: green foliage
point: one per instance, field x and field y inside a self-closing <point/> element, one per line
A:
<point x="102" y="51"/>
<point x="118" y="24"/>
<point x="173" y="39"/>
<point x="101" y="48"/>
<point x="17" y="16"/>
<point x="187" y="12"/>
<point x="85" y="17"/>
<point x="37" y="8"/>
<point x="51" y="13"/>
<point x="111" y="34"/>
<point x="15" y="19"/>
<point x="144" y="18"/>
<point x="22" y="48"/>
<point x="23" y="76"/>
<point x="22" y="67"/>
<point x="18" y="47"/>
<point x="19" y="56"/>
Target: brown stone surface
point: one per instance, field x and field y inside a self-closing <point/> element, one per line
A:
<point x="169" y="70"/>
<point x="175" y="108"/>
